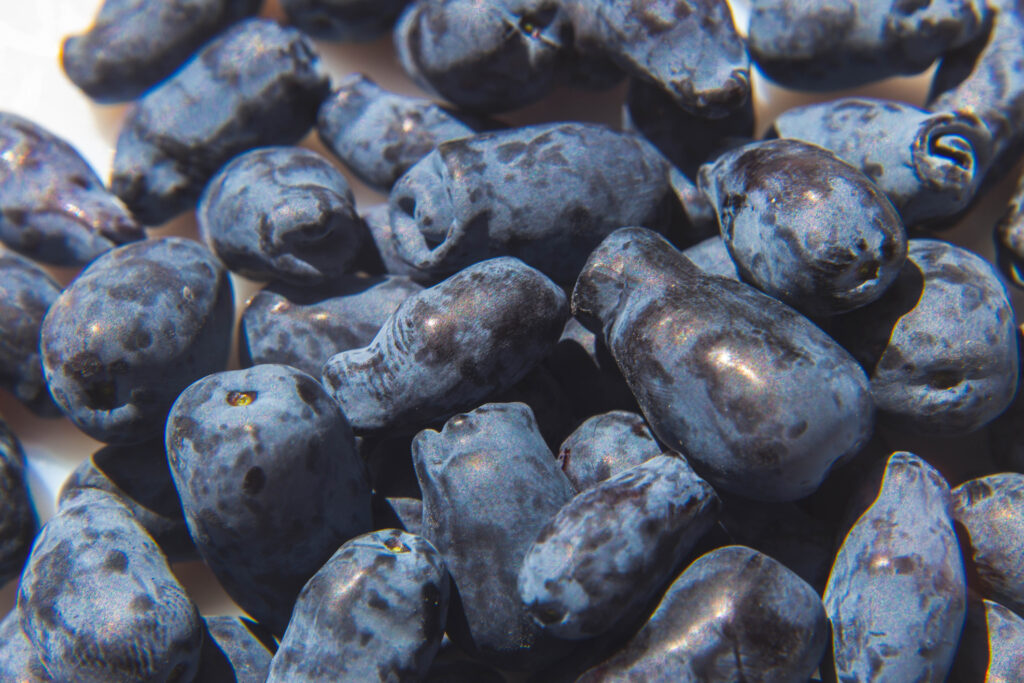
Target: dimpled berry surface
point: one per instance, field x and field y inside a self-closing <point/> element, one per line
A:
<point x="305" y="326"/>
<point x="281" y="213"/>
<point x="940" y="345"/>
<point x="135" y="328"/>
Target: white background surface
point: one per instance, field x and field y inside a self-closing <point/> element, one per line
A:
<point x="33" y="85"/>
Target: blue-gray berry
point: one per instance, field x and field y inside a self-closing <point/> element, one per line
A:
<point x="896" y="595"/>
<point x="611" y="548"/>
<point x="804" y="226"/>
<point x="281" y="213"/>
<point x="380" y="135"/>
<point x="760" y="400"/>
<point x="547" y="194"/>
<point x="940" y="345"/>
<point x="135" y="44"/>
<point x="269" y="480"/>
<point x="449" y="347"/>
<point x="928" y="164"/>
<point x="137" y="326"/>
<point x="374" y="612"/>
<point x="489" y="485"/>
<point x="257" y="84"/>
<point x="733" y="614"/>
<point x="305" y="326"/>
<point x="26" y="293"/>
<point x="53" y="207"/>
<point x="99" y="603"/>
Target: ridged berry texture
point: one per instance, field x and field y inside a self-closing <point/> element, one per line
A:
<point x="546" y="194"/>
<point x="305" y="326"/>
<point x="449" y="347"/>
<point x="490" y="484"/>
<point x="688" y="48"/>
<point x="281" y="213"/>
<point x="99" y="603"/>
<point x="896" y="595"/>
<point x="928" y="164"/>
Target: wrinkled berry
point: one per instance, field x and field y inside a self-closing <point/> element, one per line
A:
<point x="448" y="347"/>
<point x="281" y="213"/>
<point x="380" y="135"/>
<point x="547" y="194"/>
<point x="489" y="485"/>
<point x="305" y="326"/>
<point x="612" y="547"/>
<point x="257" y="84"/>
<point x="928" y="164"/>
<point x="940" y="345"/>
